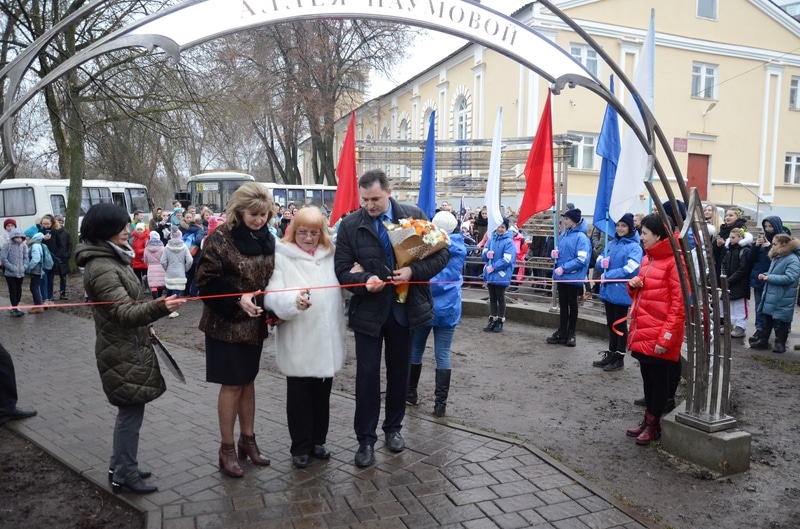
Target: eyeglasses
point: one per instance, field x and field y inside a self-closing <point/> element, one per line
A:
<point x="306" y="233"/>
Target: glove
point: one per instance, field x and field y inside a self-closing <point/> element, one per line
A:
<point x="490" y="254"/>
<point x="489" y="269"/>
<point x="605" y="262"/>
<point x="554" y="254"/>
<point x="559" y="271"/>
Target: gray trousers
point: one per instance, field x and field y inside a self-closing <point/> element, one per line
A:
<point x="126" y="443"/>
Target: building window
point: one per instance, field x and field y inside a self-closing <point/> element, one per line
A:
<point x="404" y="173"/>
<point x="791" y="174"/>
<point x="707" y="9"/>
<point x="585" y="55"/>
<point x="704" y="80"/>
<point x="583" y="155"/>
<point x="794" y="96"/>
<point x="462" y="117"/>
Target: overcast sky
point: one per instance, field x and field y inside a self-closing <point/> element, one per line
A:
<point x="432" y="48"/>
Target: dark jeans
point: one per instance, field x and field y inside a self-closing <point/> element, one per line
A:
<point x="497" y="300"/>
<point x="307" y="412"/>
<point x="568" y="306"/>
<point x="14" y="289"/>
<point x="36" y="289"/>
<point x="614" y="313"/>
<point x="48" y="287"/>
<point x="124" y="461"/>
<point x="396" y="339"/>
<point x="8" y="383"/>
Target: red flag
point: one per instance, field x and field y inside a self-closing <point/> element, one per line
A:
<point x="347" y="198"/>
<point x="540" y="191"/>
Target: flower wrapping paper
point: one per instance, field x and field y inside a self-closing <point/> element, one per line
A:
<point x="413" y="240"/>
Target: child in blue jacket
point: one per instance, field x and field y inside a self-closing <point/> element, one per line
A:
<point x="500" y="255"/>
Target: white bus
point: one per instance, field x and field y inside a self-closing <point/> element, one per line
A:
<point x="215" y="189"/>
<point x="28" y="199"/>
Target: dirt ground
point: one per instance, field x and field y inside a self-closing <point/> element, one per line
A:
<point x="515" y="385"/>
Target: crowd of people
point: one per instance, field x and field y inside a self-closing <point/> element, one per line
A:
<point x="260" y="265"/>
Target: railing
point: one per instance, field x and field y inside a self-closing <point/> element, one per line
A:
<point x="759" y="199"/>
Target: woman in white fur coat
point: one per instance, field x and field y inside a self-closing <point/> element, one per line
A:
<point x="310" y="343"/>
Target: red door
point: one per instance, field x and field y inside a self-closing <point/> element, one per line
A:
<point x="697" y="174"/>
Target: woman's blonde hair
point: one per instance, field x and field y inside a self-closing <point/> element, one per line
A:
<point x="252" y="197"/>
<point x="312" y="218"/>
<point x="716" y="220"/>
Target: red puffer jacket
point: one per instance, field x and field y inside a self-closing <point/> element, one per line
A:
<point x="657" y="314"/>
<point x="138" y="243"/>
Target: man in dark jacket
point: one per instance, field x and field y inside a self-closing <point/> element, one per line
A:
<point x="364" y="257"/>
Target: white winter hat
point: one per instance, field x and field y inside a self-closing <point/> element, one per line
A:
<point x="445" y="221"/>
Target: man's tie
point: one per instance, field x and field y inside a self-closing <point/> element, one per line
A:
<point x="387" y="244"/>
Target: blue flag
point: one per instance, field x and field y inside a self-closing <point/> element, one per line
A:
<point x="608" y="148"/>
<point x="427" y="184"/>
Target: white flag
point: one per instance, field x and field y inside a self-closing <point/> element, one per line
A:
<point x="632" y="167"/>
<point x="492" y="199"/>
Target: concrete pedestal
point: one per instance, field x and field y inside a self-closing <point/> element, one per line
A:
<point x="726" y="452"/>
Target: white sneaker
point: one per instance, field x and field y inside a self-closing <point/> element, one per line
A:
<point x="174" y="315"/>
<point x="737" y="332"/>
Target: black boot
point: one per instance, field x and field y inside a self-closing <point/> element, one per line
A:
<point x="489" y="326"/>
<point x="413" y="381"/>
<point x="608" y="358"/>
<point x="498" y="325"/>
<point x="557" y="337"/>
<point x="571" y="339"/>
<point x="442" y="389"/>
<point x="781" y="335"/>
<point x="756" y="336"/>
<point x="617" y="364"/>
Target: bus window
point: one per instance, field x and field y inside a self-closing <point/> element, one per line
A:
<point x="119" y="200"/>
<point x="58" y="205"/>
<point x="17" y="202"/>
<point x="94" y="195"/>
<point x="279" y="197"/>
<point x="328" y="196"/>
<point x="314" y="196"/>
<point x="298" y="196"/>
<point x="137" y="198"/>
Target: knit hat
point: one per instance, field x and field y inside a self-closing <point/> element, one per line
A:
<point x="140" y="226"/>
<point x="30" y="232"/>
<point x="37" y="237"/>
<point x="573" y="214"/>
<point x="570" y="205"/>
<point x="506" y="222"/>
<point x="175" y="234"/>
<point x="154" y="236"/>
<point x="445" y="221"/>
<point x="671" y="214"/>
<point x="214" y="222"/>
<point x="177" y="210"/>
<point x="60" y="219"/>
<point x="9" y="221"/>
<point x="628" y="219"/>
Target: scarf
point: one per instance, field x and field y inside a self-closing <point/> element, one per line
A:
<point x="253" y="242"/>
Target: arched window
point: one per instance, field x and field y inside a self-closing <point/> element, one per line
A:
<point x="461" y="119"/>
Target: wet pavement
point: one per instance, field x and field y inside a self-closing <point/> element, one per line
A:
<point x="448" y="476"/>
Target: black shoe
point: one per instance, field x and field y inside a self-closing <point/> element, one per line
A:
<point x="780" y="347"/>
<point x="557" y="338"/>
<point x="489" y="326"/>
<point x="144" y="474"/>
<point x="512" y="289"/>
<point x="16" y="414"/>
<point x="617" y="364"/>
<point x="571" y="340"/>
<point x="320" y="452"/>
<point x="16" y="313"/>
<point x="63" y="297"/>
<point x="640" y="402"/>
<point x="395" y="442"/>
<point x="137" y="487"/>
<point x="300" y="461"/>
<point x="608" y="358"/>
<point x="756" y="337"/>
<point x="498" y="326"/>
<point x="365" y="456"/>
<point x="762" y="344"/>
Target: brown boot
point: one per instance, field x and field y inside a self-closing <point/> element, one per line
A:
<point x="651" y="432"/>
<point x="249" y="448"/>
<point x="637" y="430"/>
<point x="227" y="461"/>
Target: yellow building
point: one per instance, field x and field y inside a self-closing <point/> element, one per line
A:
<point x="727" y="95"/>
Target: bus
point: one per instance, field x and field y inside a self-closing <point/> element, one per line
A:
<point x="214" y="189"/>
<point x="28" y="199"/>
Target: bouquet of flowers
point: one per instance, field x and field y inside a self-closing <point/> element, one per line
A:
<point x="413" y="240"/>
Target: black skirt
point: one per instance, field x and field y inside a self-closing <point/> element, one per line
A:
<point x="231" y="364"/>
